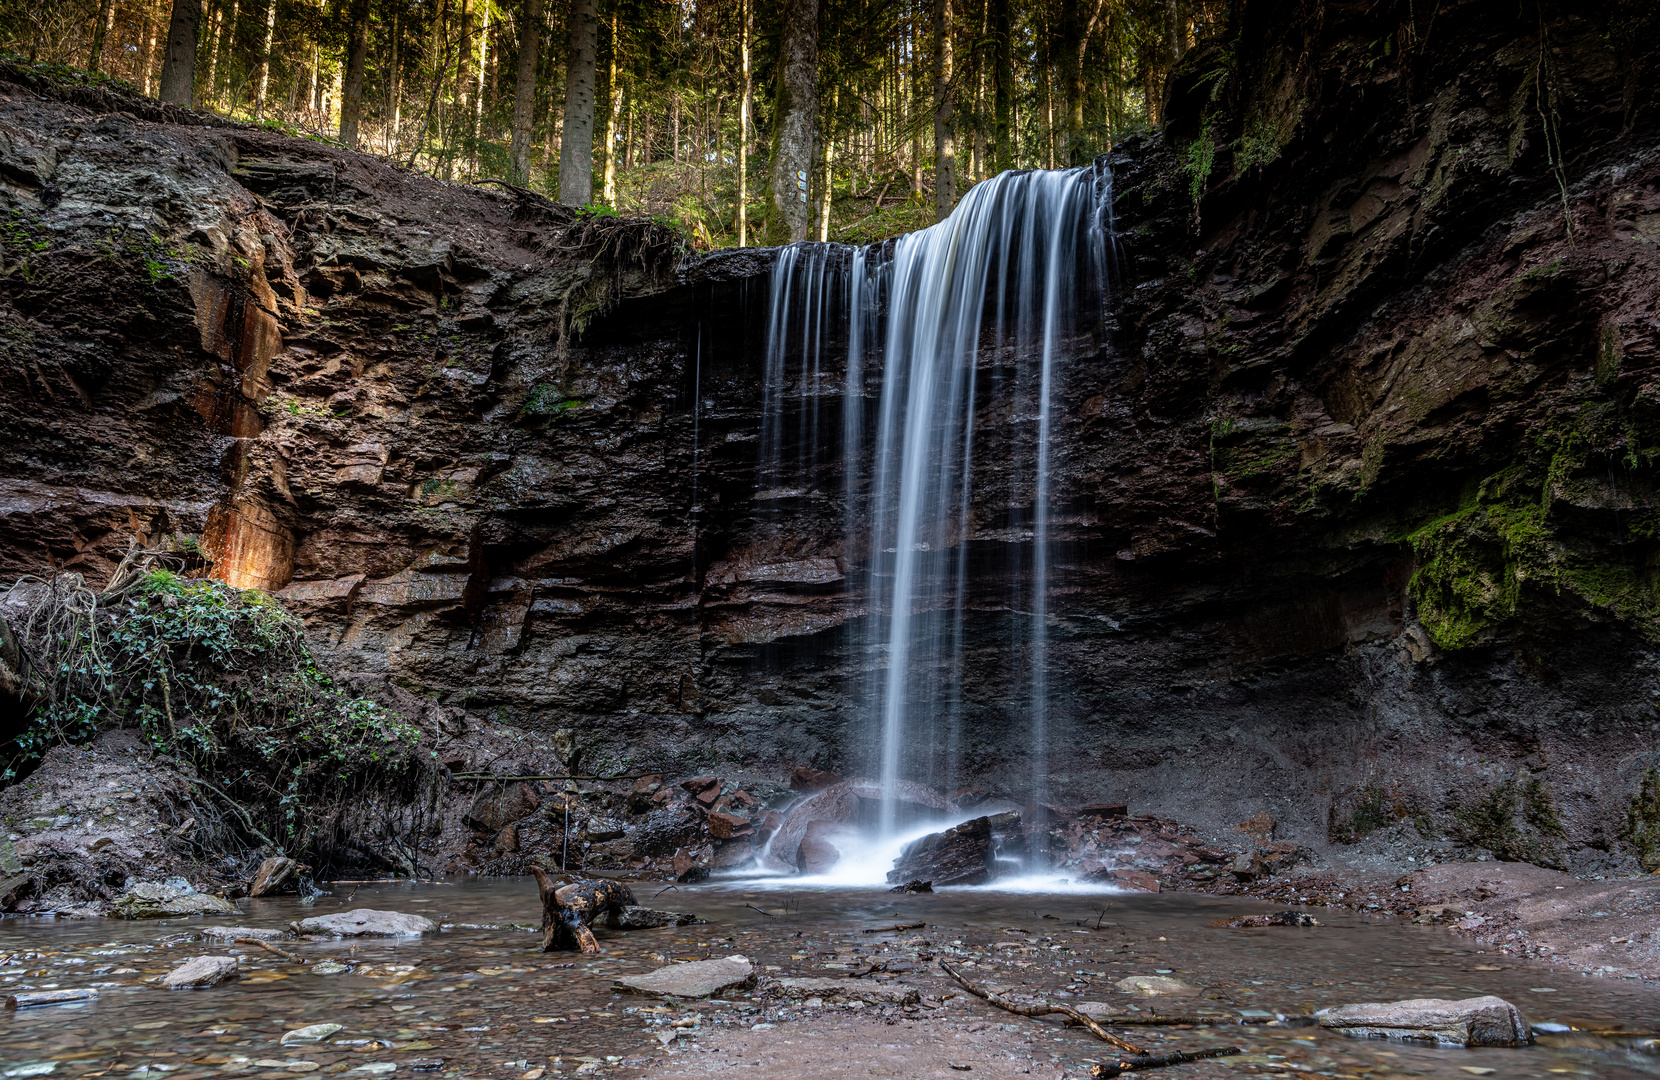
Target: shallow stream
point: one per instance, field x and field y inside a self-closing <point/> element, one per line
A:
<point x="478" y="1000"/>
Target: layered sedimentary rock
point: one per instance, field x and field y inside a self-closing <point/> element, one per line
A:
<point x="1353" y="507"/>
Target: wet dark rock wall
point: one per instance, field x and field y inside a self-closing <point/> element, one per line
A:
<point x="1355" y="505"/>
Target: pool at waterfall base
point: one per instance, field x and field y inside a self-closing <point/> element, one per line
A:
<point x="476" y="998"/>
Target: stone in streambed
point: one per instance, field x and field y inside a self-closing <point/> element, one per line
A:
<point x="310" y="1034"/>
<point x="273" y="876"/>
<point x="1477" y="1021"/>
<point x="201" y="971"/>
<point x="961" y="855"/>
<point x="818" y="854"/>
<point x="367" y="922"/>
<point x="1098" y="1010"/>
<point x="1157" y="986"/>
<point x="699" y="979"/>
<point x="832" y="991"/>
<point x="165" y="899"/>
<point x="231" y="933"/>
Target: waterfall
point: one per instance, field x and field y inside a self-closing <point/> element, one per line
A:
<point x="1009" y="283"/>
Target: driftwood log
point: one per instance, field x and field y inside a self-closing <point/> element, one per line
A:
<point x="570" y="911"/>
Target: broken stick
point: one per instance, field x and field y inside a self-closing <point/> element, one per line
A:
<point x="1044" y="1009"/>
<point x="268" y="947"/>
<point x="894" y="928"/>
<point x="1159" y="1061"/>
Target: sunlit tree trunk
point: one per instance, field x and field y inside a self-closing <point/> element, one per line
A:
<point x="262" y="79"/>
<point x="357" y="51"/>
<point x="390" y="141"/>
<point x="147" y="77"/>
<point x="524" y="90"/>
<point x="576" y="137"/>
<point x="827" y="158"/>
<point x="485" y="58"/>
<point x="613" y="113"/>
<point x="796" y="111"/>
<point x="945" y="110"/>
<point x="178" y="69"/>
<point x="744" y="101"/>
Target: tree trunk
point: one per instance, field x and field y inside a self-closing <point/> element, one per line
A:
<point x="796" y="115"/>
<point x="743" y="130"/>
<point x="827" y="158"/>
<point x="476" y="106"/>
<point x="227" y="45"/>
<point x="394" y="90"/>
<point x="524" y="91"/>
<point x="100" y="30"/>
<point x="945" y="110"/>
<point x="262" y="80"/>
<point x="1002" y="67"/>
<point x="215" y="30"/>
<point x="357" y="50"/>
<point x="178" y="70"/>
<point x="576" y="137"/>
<point x="149" y="62"/>
<point x="613" y="113"/>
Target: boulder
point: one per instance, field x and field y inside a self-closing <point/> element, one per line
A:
<point x="689" y="865"/>
<point x="273" y="876"/>
<point x="166" y="899"/>
<point x="367" y="922"/>
<point x="1259" y="827"/>
<point x="1157" y="986"/>
<point x="818" y="853"/>
<point x="961" y="855"/>
<point x="844" y="991"/>
<point x="849" y="802"/>
<point x="1098" y="1010"/>
<point x="698" y="979"/>
<point x="501" y="805"/>
<point x="201" y="971"/>
<point x="1477" y="1021"/>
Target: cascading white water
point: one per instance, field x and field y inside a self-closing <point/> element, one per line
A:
<point x="1003" y="284"/>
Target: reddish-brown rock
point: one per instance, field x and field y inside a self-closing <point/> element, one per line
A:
<point x="723" y="826"/>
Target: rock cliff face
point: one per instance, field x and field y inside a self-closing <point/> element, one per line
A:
<point x="1355" y="505"/>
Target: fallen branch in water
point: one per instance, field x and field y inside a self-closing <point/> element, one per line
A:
<point x="1044" y="1009"/>
<point x="763" y="911"/>
<point x="1156" y="1020"/>
<point x="894" y="928"/>
<point x="1159" y="1061"/>
<point x="270" y="948"/>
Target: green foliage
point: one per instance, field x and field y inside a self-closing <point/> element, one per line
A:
<point x="1198" y="157"/>
<point x="220" y="677"/>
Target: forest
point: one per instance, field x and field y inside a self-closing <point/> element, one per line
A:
<point x="741" y="121"/>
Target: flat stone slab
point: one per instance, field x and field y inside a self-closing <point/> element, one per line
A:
<point x="231" y="933"/>
<point x="1477" y="1021"/>
<point x="311" y="1034"/>
<point x="1098" y="1010"/>
<point x="201" y="971"/>
<point x="367" y="922"/>
<point x="698" y="979"/>
<point x="843" y="991"/>
<point x="1157" y="986"/>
